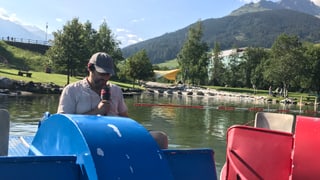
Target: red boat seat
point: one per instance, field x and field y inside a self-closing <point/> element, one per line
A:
<point x="275" y="121"/>
<point x="256" y="153"/>
<point x="306" y="159"/>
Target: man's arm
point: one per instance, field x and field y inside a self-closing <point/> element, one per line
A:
<point x="102" y="109"/>
<point x="67" y="102"/>
<point x="124" y="114"/>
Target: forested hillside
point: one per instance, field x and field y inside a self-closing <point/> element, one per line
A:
<point x="256" y="29"/>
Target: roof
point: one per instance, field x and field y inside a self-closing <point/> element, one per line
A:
<point x="170" y="74"/>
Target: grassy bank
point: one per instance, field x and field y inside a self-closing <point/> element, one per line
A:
<point x="17" y="58"/>
<point x="13" y="58"/>
<point x="61" y="80"/>
<point x="40" y="77"/>
<point x="44" y="78"/>
<point x="306" y="98"/>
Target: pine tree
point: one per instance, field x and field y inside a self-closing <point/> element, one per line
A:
<point x="193" y="58"/>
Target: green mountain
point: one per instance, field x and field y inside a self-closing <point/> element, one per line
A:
<point x="260" y="29"/>
<point x="305" y="6"/>
<point x="257" y="28"/>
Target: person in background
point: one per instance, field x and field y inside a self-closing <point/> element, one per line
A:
<point x="270" y="91"/>
<point x="84" y="96"/>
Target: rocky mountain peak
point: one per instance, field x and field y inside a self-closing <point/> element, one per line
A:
<point x="305" y="6"/>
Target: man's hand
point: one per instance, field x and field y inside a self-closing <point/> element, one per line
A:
<point x="102" y="108"/>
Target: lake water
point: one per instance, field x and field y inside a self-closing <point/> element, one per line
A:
<point x="189" y="121"/>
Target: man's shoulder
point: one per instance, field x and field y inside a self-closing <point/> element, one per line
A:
<point x="77" y="84"/>
<point x="114" y="86"/>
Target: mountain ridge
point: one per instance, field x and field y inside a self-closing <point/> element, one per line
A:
<point x="248" y="29"/>
<point x="305" y="6"/>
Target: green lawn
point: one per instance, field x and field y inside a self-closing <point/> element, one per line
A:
<point x="40" y="77"/>
<point x="172" y="64"/>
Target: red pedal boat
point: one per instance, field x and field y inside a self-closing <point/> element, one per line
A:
<point x="279" y="146"/>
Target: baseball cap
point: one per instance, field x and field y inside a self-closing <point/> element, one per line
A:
<point x="103" y="62"/>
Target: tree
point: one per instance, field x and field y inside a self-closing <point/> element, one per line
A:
<point x="139" y="67"/>
<point x="254" y="58"/>
<point x="311" y="78"/>
<point x="216" y="67"/>
<point x="76" y="42"/>
<point x="107" y="42"/>
<point x="286" y="61"/>
<point x="68" y="49"/>
<point x="90" y="37"/>
<point x="235" y="70"/>
<point x="192" y="58"/>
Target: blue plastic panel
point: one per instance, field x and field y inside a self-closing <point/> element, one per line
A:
<point x="192" y="164"/>
<point x="18" y="145"/>
<point x="39" y="168"/>
<point x="106" y="147"/>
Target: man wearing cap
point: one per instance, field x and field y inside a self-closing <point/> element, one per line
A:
<point x="83" y="97"/>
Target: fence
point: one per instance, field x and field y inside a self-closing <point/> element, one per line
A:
<point x="28" y="41"/>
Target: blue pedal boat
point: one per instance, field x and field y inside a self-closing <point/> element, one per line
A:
<point x="68" y="146"/>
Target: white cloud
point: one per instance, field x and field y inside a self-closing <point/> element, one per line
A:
<point x="136" y="39"/>
<point x="10" y="17"/>
<point x="120" y="30"/>
<point x="137" y="20"/>
<point x="126" y="37"/>
<point x="59" y="20"/>
<point x="132" y="41"/>
<point x="132" y="36"/>
<point x="317" y="2"/>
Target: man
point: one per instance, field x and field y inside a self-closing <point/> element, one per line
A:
<point x="83" y="97"/>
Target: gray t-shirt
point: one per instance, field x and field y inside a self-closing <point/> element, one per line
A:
<point x="79" y="98"/>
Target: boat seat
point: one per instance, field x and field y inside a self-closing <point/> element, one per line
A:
<point x="4" y="132"/>
<point x="189" y="164"/>
<point x="275" y="121"/>
<point x="258" y="153"/>
<point x="306" y="161"/>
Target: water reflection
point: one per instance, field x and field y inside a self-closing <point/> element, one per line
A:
<point x="187" y="126"/>
<point x="25" y="112"/>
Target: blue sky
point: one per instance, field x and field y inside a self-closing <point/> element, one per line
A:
<point x="131" y="21"/>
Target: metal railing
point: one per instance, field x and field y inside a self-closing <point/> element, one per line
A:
<point x="29" y="41"/>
